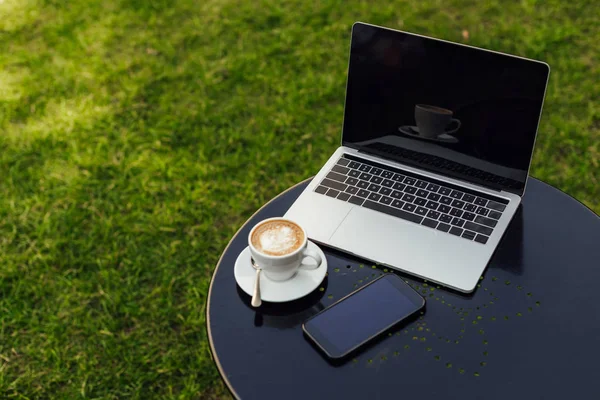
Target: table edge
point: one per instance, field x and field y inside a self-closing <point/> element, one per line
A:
<point x="209" y="333"/>
<point x="564" y="193"/>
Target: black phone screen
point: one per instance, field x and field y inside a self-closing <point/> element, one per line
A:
<point x="364" y="314"/>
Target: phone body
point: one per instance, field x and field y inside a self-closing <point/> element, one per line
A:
<point x="363" y="315"/>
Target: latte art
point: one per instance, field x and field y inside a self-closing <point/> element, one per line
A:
<point x="278" y="240"/>
<point x="277" y="237"/>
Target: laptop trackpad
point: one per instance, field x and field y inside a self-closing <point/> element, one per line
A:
<point x="385" y="239"/>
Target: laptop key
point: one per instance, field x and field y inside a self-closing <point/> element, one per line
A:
<point x="496" y="206"/>
<point x="393" y="211"/>
<point x="445" y="218"/>
<point x="469" y="235"/>
<point x="343" y="196"/>
<point x="376" y="179"/>
<point x="446" y="200"/>
<point x="336" y="177"/>
<point x="351" y="189"/>
<point x="495" y="214"/>
<point x="458" y="203"/>
<point x="409" y="181"/>
<point x="421" y="184"/>
<point x="456" y="194"/>
<point x="374" y="197"/>
<point x="433" y="187"/>
<point x="486" y="221"/>
<point x="432" y="205"/>
<point x="434" y="196"/>
<point x="445" y="191"/>
<point x="470" y="207"/>
<point x="385" y="191"/>
<point x="364" y="168"/>
<point x="429" y="222"/>
<point x="376" y="171"/>
<point x="396" y="194"/>
<point x="408" y="197"/>
<point x="356" y="200"/>
<point x="457" y="222"/>
<point x="363" y="184"/>
<point x="422" y="193"/>
<point x="321" y="189"/>
<point x="478" y="228"/>
<point x="420" y="201"/>
<point x="332" y="193"/>
<point x="480" y="201"/>
<point x="421" y="210"/>
<point x="333" y="184"/>
<point x="468" y="198"/>
<point x="444" y="209"/>
<point x="468" y="216"/>
<point x="387" y="183"/>
<point x="340" y="170"/>
<point x="410" y="189"/>
<point x="456" y="231"/>
<point x="374" y="188"/>
<point x="354" y="165"/>
<point x="397" y="203"/>
<point x="351" y="181"/>
<point x="386" y="200"/>
<point x="343" y="161"/>
<point x="443" y="227"/>
<point x="362" y="193"/>
<point x="455" y="212"/>
<point x="409" y="207"/>
<point x="399" y="186"/>
<point x="481" y="239"/>
<point x="482" y="211"/>
<point x="387" y="174"/>
<point x="365" y="177"/>
<point x="398" y="177"/>
<point x="354" y="173"/>
<point x="433" y="214"/>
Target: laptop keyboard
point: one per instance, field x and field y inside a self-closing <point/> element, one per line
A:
<point x="413" y="198"/>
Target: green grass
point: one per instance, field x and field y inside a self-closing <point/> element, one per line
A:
<point x="137" y="136"/>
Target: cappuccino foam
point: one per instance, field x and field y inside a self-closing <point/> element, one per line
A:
<point x="277" y="238"/>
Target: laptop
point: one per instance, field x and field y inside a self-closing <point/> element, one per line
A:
<point x="436" y="146"/>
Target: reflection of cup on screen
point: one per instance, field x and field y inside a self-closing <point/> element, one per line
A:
<point x="432" y="121"/>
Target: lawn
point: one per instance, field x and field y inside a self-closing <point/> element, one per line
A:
<point x="136" y="137"/>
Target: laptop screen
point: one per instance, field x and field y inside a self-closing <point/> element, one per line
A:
<point x="455" y="110"/>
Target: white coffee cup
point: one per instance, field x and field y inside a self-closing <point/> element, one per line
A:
<point x="282" y="267"/>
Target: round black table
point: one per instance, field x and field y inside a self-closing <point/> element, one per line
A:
<point x="530" y="330"/>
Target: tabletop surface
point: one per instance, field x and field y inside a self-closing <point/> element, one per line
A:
<point x="531" y="329"/>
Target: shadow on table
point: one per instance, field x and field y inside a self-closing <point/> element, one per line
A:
<point x="286" y="315"/>
<point x="509" y="254"/>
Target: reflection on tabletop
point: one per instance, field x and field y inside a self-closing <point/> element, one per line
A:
<point x="286" y="315"/>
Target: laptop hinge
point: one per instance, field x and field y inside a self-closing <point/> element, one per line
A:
<point x="487" y="185"/>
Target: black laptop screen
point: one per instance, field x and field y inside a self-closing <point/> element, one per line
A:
<point x="467" y="113"/>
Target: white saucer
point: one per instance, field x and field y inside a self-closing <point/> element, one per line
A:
<point x="303" y="283"/>
<point x="414" y="132"/>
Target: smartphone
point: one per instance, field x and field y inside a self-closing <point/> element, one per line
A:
<point x="360" y="317"/>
